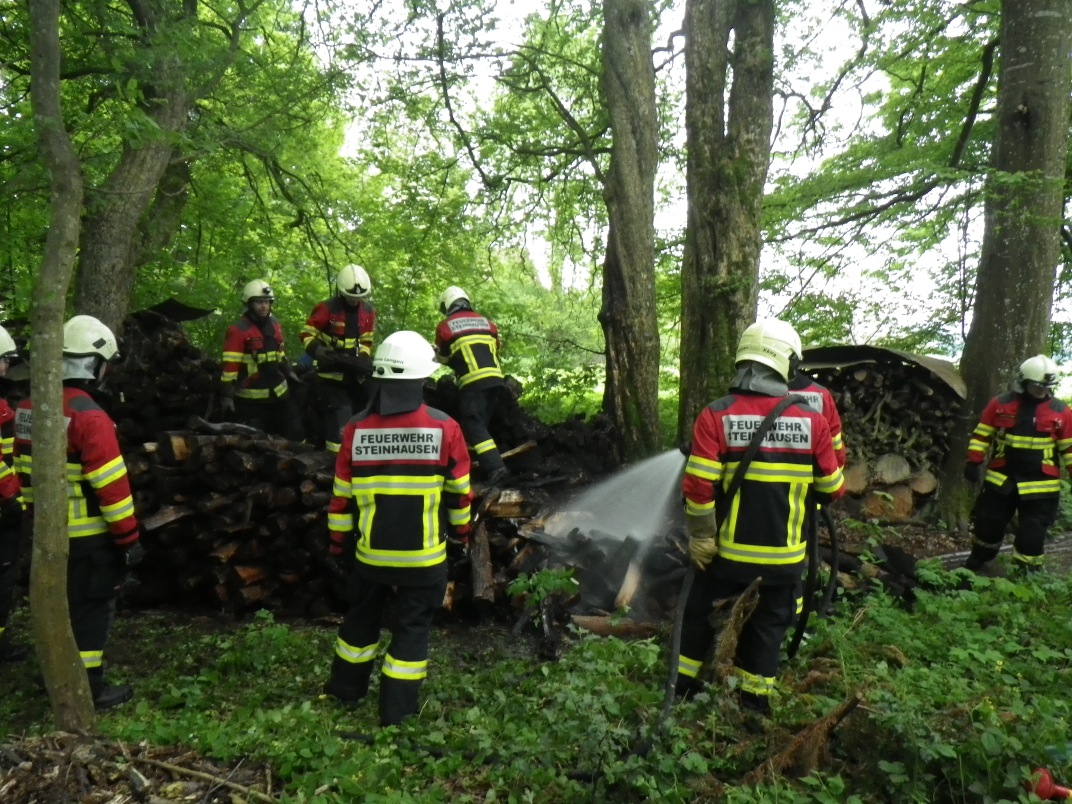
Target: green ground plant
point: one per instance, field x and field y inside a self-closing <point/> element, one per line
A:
<point x="961" y="696"/>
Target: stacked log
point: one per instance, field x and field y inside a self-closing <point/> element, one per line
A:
<point x="232" y="517"/>
<point x="898" y="414"/>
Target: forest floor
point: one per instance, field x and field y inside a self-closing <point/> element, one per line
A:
<point x="38" y="766"/>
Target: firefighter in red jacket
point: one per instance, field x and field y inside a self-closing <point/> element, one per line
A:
<point x="469" y="344"/>
<point x="101" y="525"/>
<point x="819" y="398"/>
<point x="338" y="336"/>
<point x="10" y="512"/>
<point x="253" y="382"/>
<point x="401" y="478"/>
<point x="762" y="534"/>
<point x="1031" y="436"/>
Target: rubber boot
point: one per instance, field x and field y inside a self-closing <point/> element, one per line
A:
<point x="105" y="695"/>
<point x="347" y="694"/>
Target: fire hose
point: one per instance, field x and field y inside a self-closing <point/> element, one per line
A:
<point x="813" y="577"/>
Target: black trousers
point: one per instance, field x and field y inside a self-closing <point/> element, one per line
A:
<point x="476" y="406"/>
<point x="275" y="415"/>
<point x="94" y="574"/>
<point x="338" y="404"/>
<point x="405" y="665"/>
<point x="760" y="642"/>
<point x="10" y="549"/>
<point x="994" y="510"/>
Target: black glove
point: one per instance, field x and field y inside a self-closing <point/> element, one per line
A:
<point x="973" y="472"/>
<point x="328" y="359"/>
<point x="363" y="365"/>
<point x="134" y="555"/>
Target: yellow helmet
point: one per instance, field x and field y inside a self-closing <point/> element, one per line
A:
<point x="772" y="342"/>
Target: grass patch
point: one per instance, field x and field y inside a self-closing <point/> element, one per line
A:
<point x="961" y="697"/>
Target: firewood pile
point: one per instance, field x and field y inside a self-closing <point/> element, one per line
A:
<point x="236" y="518"/>
<point x="898" y="413"/>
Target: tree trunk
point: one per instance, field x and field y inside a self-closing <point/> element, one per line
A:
<point x="65" y="678"/>
<point x="1021" y="238"/>
<point x="728" y="144"/>
<point x="628" y="316"/>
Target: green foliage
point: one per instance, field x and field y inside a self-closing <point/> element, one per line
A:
<point x="534" y="589"/>
<point x="961" y="697"/>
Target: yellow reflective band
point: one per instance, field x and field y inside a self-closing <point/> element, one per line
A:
<point x="458" y="516"/>
<point x="984" y="430"/>
<point x="341" y="488"/>
<point x="757" y="685"/>
<point x="798" y="513"/>
<point x="342" y="523"/>
<point x="404" y="671"/>
<point x="119" y="510"/>
<point x="703" y="468"/>
<point x="688" y="667"/>
<point x="232" y="357"/>
<point x="1039" y="486"/>
<point x="355" y="655"/>
<point x="456" y="486"/>
<point x="800" y="605"/>
<point x="484" y="446"/>
<point x="91" y="658"/>
<point x="395" y="484"/>
<point x="779" y="473"/>
<point x="105" y="474"/>
<point x="837" y="441"/>
<point x="762" y="554"/>
<point x="331" y="446"/>
<point x="830" y="483"/>
<point x="402" y="558"/>
<point x="698" y="509"/>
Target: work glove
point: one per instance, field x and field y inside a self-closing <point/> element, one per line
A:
<point x="134" y="555"/>
<point x="227" y="394"/>
<point x="458" y="541"/>
<point x="328" y="359"/>
<point x="973" y="472"/>
<point x="703" y="539"/>
<point x="363" y="365"/>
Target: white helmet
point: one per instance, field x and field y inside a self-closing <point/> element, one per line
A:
<point x="353" y="282"/>
<point x="404" y="355"/>
<point x="7" y="345"/>
<point x="450" y="296"/>
<point x="769" y="341"/>
<point x="1040" y="369"/>
<point x="257" y="289"/>
<point x="85" y="336"/>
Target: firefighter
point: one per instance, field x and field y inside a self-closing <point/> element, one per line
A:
<point x="10" y="512"/>
<point x="338" y="336"/>
<point x="101" y="526"/>
<point x="1031" y="433"/>
<point x="402" y="475"/>
<point x="818" y="396"/>
<point x="469" y="344"/>
<point x="253" y="382"/>
<point x="762" y="532"/>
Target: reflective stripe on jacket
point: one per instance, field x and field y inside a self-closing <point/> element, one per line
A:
<point x="252" y="357"/>
<point x="795" y="464"/>
<point x="1031" y="444"/>
<point x="98" y="489"/>
<point x="395" y="473"/>
<point x="335" y="324"/>
<point x="469" y="344"/>
<point x="820" y="398"/>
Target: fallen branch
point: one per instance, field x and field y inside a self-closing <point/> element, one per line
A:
<point x="249" y="792"/>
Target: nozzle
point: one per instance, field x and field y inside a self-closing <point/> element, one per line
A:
<point x="1043" y="785"/>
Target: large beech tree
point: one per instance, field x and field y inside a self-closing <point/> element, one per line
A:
<point x="729" y="60"/>
<point x="1024" y="206"/>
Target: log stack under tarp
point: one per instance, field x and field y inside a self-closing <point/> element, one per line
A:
<point x="898" y="413"/>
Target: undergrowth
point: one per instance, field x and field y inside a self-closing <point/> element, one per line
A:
<point x="960" y="698"/>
